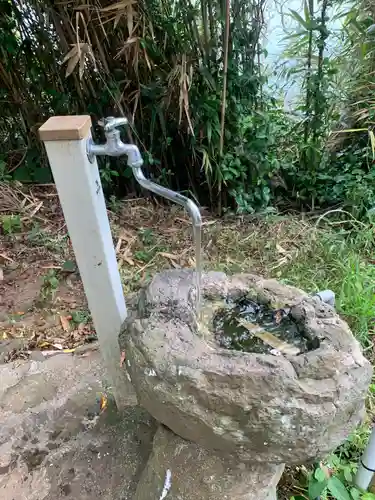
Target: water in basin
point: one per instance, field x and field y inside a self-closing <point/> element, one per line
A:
<point x="246" y="326"/>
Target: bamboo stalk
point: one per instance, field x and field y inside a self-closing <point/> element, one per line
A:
<point x="132" y="74"/>
<point x="205" y="30"/>
<point x="225" y="76"/>
<point x="224" y="96"/>
<point x="211" y="17"/>
<point x="322" y="45"/>
<point x="308" y="77"/>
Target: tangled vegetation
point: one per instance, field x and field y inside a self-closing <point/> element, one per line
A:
<point x="192" y="78"/>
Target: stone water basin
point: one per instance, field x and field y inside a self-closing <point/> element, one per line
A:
<point x="254" y="406"/>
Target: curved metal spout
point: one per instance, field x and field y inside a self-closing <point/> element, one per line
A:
<point x="188" y="204"/>
<point x="115" y="147"/>
<point x="194" y="213"/>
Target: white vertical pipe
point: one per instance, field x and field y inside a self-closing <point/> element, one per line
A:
<point x="326" y="296"/>
<point x="367" y="465"/>
<point x="82" y="200"/>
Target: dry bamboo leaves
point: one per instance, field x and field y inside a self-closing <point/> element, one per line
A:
<point x="119" y="5"/>
<point x="185" y="82"/>
<point x="78" y="55"/>
<point x="120" y="9"/>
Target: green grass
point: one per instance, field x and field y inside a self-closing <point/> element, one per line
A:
<point x="339" y="262"/>
<point x="298" y="253"/>
<point x="312" y="258"/>
<point x="39" y="237"/>
<point x="333" y="255"/>
<point x="81" y="317"/>
<point x="10" y="224"/>
<point x="310" y="254"/>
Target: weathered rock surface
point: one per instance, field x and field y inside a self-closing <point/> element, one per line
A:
<point x="54" y="441"/>
<point x="183" y="470"/>
<point x="256" y="407"/>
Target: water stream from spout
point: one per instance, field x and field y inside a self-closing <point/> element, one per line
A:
<point x="197" y="236"/>
<point x="195" y="215"/>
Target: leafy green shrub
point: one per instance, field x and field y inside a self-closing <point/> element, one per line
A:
<point x="334" y="477"/>
<point x="349" y="180"/>
<point x="256" y="156"/>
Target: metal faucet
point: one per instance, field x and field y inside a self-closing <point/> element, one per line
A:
<point x="115" y="147"/>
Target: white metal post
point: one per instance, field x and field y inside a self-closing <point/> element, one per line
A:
<point x="82" y="200"/>
<point x="366" y="468"/>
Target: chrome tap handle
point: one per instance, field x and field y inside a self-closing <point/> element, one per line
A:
<point x="114" y="145"/>
<point x="110" y="123"/>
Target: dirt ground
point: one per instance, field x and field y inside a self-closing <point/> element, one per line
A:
<point x="42" y="302"/>
<point x="57" y="438"/>
<point x="37" y="297"/>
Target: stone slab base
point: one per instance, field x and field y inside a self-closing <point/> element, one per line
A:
<point x="182" y="470"/>
<point x="56" y="443"/>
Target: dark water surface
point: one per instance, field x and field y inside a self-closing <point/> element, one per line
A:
<point x="233" y="335"/>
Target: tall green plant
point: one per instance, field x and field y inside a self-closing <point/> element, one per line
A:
<point x="358" y="57"/>
<point x="352" y="143"/>
<point x="158" y="62"/>
<point x="315" y="70"/>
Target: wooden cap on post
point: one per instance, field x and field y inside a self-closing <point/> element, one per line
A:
<point x="65" y="128"/>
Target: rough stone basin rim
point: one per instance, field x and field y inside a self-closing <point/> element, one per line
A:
<point x="254" y="407"/>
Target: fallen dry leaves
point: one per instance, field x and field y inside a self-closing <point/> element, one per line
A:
<point x="64" y="337"/>
<point x="65" y="322"/>
<point x="103" y="402"/>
